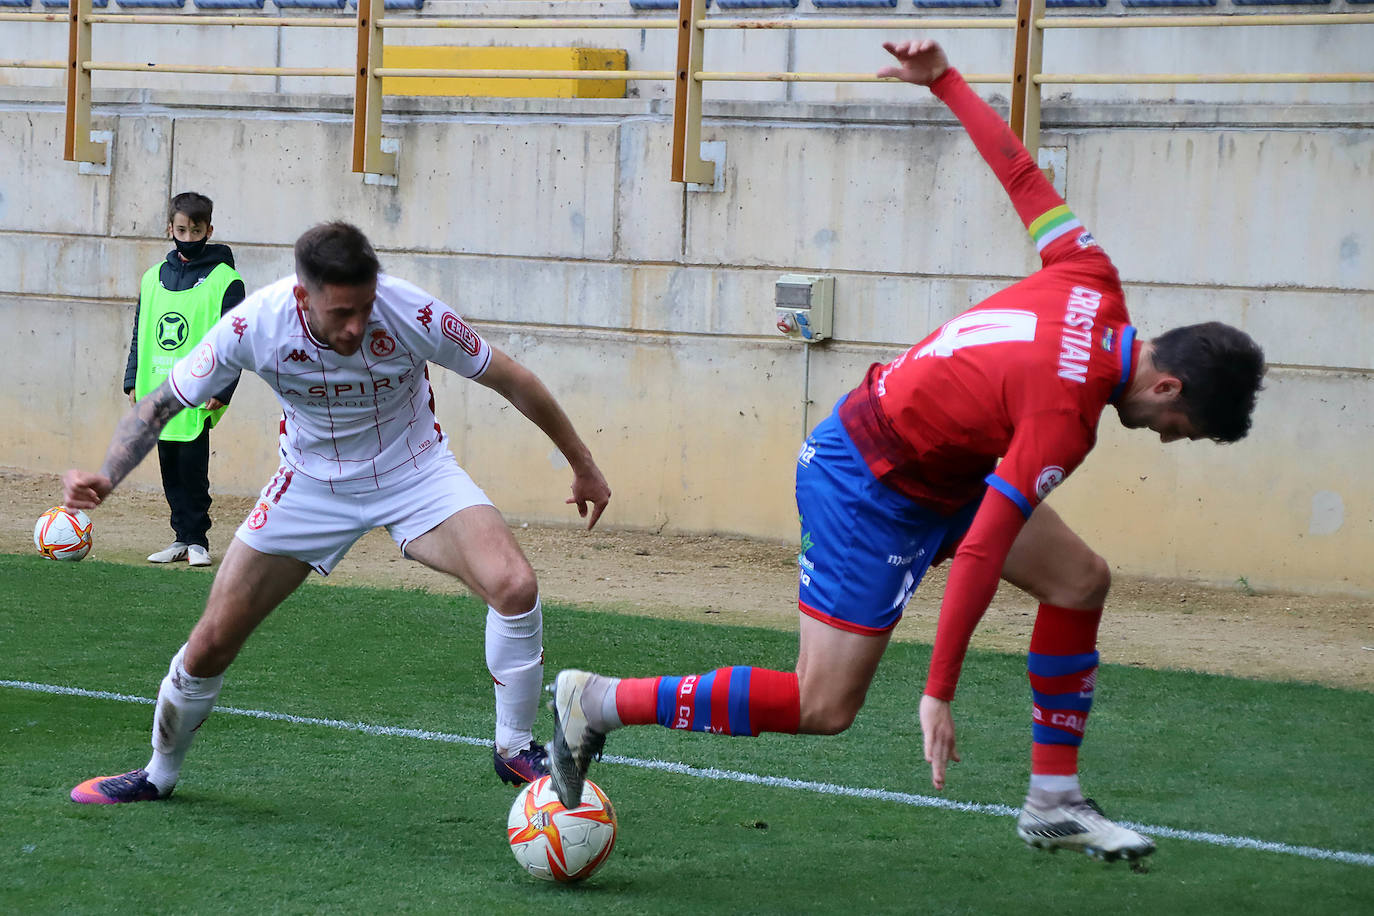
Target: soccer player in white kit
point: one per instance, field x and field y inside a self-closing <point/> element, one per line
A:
<point x="345" y="347"/>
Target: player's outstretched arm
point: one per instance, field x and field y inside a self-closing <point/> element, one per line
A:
<point x="924" y="63"/>
<point x="133" y="439"/>
<point x="528" y="394"/>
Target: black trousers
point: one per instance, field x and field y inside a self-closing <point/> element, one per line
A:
<point x="186" y="484"/>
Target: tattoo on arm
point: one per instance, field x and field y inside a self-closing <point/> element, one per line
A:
<point x="137" y="432"/>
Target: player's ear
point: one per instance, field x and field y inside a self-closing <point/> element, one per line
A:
<point x="300" y="294"/>
<point x="1168" y="388"/>
<point x="209" y="230"/>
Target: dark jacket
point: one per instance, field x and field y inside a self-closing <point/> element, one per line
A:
<point x="178" y="276"/>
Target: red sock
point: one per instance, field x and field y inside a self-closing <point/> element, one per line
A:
<point x="732" y="701"/>
<point x="1062" y="664"/>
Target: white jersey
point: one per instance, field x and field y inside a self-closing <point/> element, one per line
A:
<point x="354" y="422"/>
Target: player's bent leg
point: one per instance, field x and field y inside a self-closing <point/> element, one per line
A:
<point x="249" y="585"/>
<point x="737" y="700"/>
<point x="476" y="546"/>
<point x="1052" y="563"/>
<point x="834" y="669"/>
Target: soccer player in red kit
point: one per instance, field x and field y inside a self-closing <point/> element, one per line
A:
<point x="949" y="450"/>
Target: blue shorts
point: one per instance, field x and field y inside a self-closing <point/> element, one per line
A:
<point x="864" y="547"/>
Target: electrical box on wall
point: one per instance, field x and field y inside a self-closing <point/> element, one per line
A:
<point x="805" y="306"/>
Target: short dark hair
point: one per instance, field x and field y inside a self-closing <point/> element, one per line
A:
<point x="1221" y="369"/>
<point x="335" y="253"/>
<point x="196" y="207"/>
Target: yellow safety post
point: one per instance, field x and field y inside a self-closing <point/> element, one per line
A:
<point x="78" y="146"/>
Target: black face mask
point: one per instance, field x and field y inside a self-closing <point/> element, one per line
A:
<point x="191" y="250"/>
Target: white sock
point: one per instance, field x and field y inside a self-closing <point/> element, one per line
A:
<point x="598" y="703"/>
<point x="1048" y="790"/>
<point x="183" y="704"/>
<point x="515" y="658"/>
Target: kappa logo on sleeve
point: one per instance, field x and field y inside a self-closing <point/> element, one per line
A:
<point x="203" y="361"/>
<point x="240" y="325"/>
<point x="1049" y="478"/>
<point x="457" y="331"/>
<point x="425" y="316"/>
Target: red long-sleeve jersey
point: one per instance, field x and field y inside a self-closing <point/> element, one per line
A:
<point x="1022" y="377"/>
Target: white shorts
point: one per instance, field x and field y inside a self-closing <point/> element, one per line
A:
<point x="306" y="519"/>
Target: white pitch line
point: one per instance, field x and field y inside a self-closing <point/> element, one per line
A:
<point x="781" y="782"/>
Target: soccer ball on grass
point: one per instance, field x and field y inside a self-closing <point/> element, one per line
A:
<point x="557" y="843"/>
<point x="62" y="534"/>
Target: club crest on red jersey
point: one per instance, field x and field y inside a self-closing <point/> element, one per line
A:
<point x="381" y="345"/>
<point x="457" y="331"/>
<point x="1049" y="478"/>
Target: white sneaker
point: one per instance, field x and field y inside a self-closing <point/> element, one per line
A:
<point x="1081" y="826"/>
<point x="197" y="555"/>
<point x="574" y="742"/>
<point x="171" y="554"/>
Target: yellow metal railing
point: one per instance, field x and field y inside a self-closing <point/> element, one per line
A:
<point x="692" y="24"/>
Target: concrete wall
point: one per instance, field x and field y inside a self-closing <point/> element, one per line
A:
<point x="648" y="308"/>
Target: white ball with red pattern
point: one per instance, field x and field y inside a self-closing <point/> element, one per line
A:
<point x="555" y="843"/>
<point x="63" y="534"/>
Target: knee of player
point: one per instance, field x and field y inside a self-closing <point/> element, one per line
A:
<point x="826" y="719"/>
<point x="1083" y="584"/>
<point x="515" y="590"/>
<point x="1092" y="584"/>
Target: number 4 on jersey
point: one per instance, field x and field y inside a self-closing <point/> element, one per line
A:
<point x="975" y="329"/>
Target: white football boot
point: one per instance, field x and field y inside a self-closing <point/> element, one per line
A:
<point x="170" y="554"/>
<point x="1082" y="827"/>
<point x="574" y="742"/>
<point x="197" y="555"/>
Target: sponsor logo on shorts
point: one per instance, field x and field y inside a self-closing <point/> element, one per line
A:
<point x="1049" y="478"/>
<point x="381" y="345"/>
<point x="258" y="518"/>
<point x="203" y="361"/>
<point x="457" y="331"/>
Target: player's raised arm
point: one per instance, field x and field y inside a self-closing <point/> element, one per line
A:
<point x="133" y="439"/>
<point x="522" y="388"/>
<point x="1044" y="213"/>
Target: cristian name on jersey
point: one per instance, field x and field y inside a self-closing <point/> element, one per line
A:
<point x="351" y="421"/>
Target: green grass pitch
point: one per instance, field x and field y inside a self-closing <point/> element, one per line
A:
<point x="279" y="816"/>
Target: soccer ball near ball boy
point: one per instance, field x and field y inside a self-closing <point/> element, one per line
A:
<point x="557" y="843"/>
<point x="63" y="534"/>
